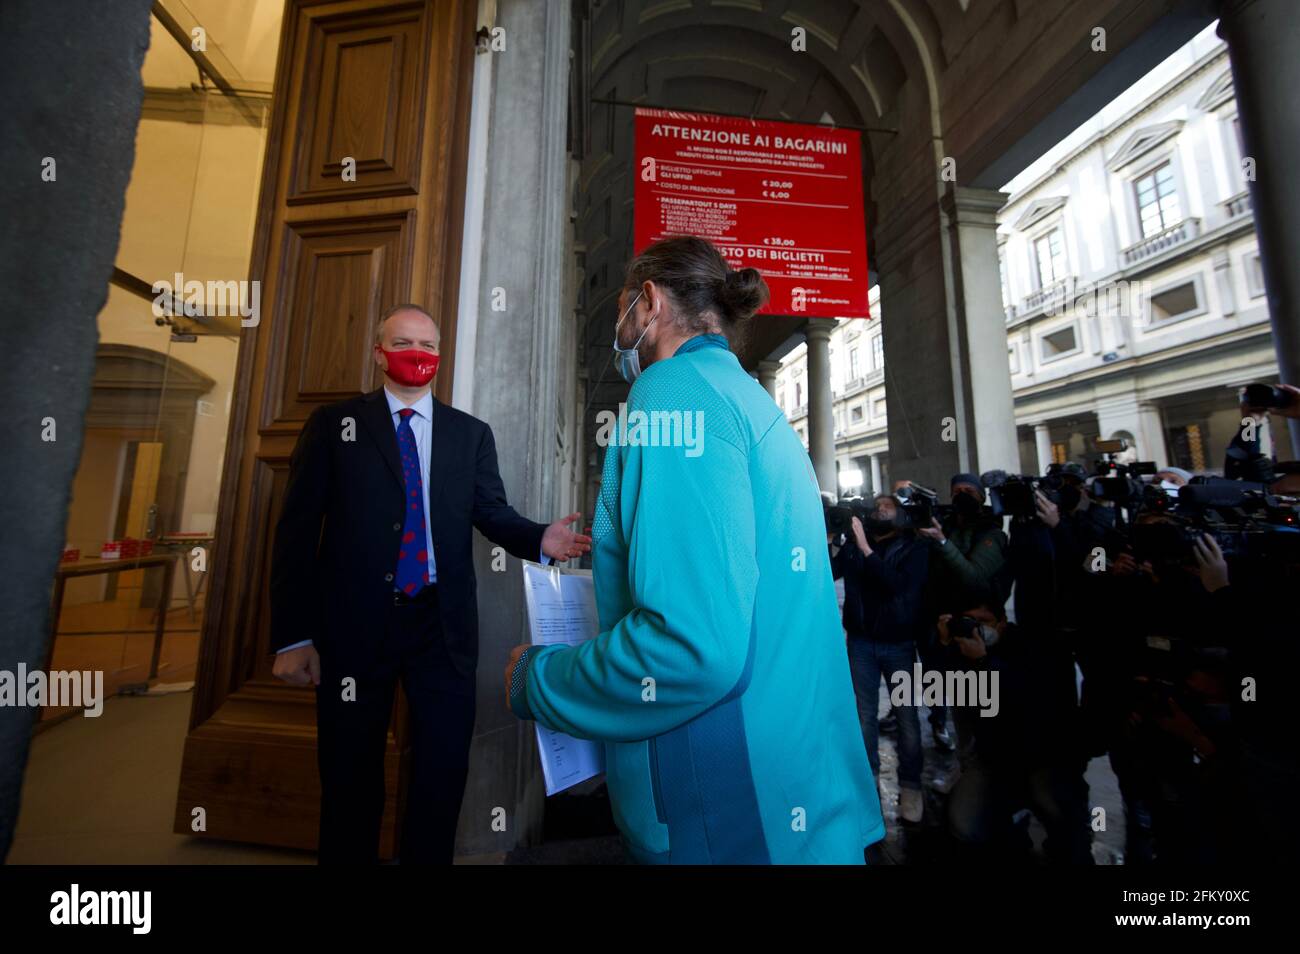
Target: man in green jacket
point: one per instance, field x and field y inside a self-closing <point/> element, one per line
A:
<point x="969" y="551"/>
<point x="968" y="567"/>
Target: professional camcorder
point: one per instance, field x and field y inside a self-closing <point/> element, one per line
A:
<point x="1116" y="482"/>
<point x="1244" y="519"/>
<point x="1012" y="495"/>
<point x="839" y="514"/>
<point x="919" y="506"/>
<point x="1266" y="396"/>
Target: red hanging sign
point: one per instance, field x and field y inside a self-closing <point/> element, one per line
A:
<point x="784" y="198"/>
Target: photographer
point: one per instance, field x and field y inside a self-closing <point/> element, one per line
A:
<point x="1092" y="522"/>
<point x="969" y="549"/>
<point x="967" y="567"/>
<point x="884" y="568"/>
<point x="1157" y="679"/>
<point x="1039" y="544"/>
<point x="1251" y="602"/>
<point x="1249" y="455"/>
<point x="1015" y="762"/>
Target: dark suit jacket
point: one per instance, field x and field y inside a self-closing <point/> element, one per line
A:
<point x="340" y="526"/>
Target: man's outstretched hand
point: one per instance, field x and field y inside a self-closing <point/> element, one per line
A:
<point x="561" y="543"/>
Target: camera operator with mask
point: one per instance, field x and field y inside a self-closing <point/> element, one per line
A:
<point x="1092" y="521"/>
<point x="1015" y="762"/>
<point x="967" y="567"/>
<point x="884" y="568"/>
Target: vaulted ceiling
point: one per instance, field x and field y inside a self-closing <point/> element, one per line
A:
<point x="734" y="56"/>
<point x="989" y="75"/>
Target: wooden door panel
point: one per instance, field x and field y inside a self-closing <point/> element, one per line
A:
<point x="387" y="83"/>
<point x="361" y="99"/>
<point x="342" y="274"/>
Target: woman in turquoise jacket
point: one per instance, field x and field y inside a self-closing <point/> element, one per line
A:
<point x="719" y="682"/>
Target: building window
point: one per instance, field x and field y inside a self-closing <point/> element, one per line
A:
<point x="878" y="352"/>
<point x="1013" y="359"/>
<point x="855" y="370"/>
<point x="1157" y="200"/>
<point x="798" y="395"/>
<point x="1187" y="448"/>
<point x="1002" y="272"/>
<point x="1049" y="252"/>
<point x="1059" y="344"/>
<point x="1254" y="276"/>
<point x="878" y="409"/>
<point x="855" y="414"/>
<point x="780" y="399"/>
<point x="1173" y="304"/>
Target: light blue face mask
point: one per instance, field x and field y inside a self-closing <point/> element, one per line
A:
<point x="628" y="360"/>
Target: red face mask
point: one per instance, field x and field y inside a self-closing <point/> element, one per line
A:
<point x="411" y="367"/>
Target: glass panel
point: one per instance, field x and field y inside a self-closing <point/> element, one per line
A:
<point x="146" y="490"/>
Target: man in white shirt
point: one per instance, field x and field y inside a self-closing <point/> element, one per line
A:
<point x="372" y="581"/>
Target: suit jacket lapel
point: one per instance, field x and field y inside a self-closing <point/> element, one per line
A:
<point x="378" y="423"/>
<point x="439" y="448"/>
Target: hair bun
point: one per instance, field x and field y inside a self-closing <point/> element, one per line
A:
<point x="743" y="292"/>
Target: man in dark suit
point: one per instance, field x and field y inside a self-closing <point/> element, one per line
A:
<point x="372" y="581"/>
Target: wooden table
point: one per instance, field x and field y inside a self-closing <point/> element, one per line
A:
<point x="182" y="544"/>
<point x="91" y="566"/>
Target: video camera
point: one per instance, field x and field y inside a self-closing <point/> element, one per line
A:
<point x="1266" y="396"/>
<point x="1244" y="519"/>
<point x="919" y="506"/>
<point x="1012" y="495"/>
<point x="1115" y="482"/>
<point x="839" y="514"/>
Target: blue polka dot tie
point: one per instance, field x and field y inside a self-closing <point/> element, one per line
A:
<point x="412" y="558"/>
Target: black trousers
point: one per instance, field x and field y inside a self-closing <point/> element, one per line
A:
<point x="352" y="727"/>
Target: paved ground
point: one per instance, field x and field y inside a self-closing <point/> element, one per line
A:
<point x="103" y="791"/>
<point x="580" y="828"/>
<point x="925" y="843"/>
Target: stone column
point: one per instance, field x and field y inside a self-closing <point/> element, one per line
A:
<point x="1043" y="445"/>
<point x="875" y="475"/>
<point x="1152" y="436"/>
<point x="982" y="324"/>
<point x="1263" y="37"/>
<point x="821" y="419"/>
<point x="521" y="356"/>
<point x="766" y="375"/>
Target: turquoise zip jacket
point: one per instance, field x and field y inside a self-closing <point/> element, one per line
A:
<point x="719" y="681"/>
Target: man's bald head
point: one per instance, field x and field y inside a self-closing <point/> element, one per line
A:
<point x="407" y="326"/>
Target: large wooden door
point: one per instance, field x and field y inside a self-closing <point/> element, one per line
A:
<point x="386" y="84"/>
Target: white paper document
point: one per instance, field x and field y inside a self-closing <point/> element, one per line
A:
<point x="562" y="611"/>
